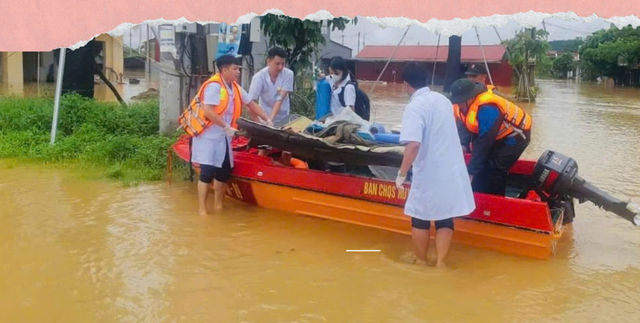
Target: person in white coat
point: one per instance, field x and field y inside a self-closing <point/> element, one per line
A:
<point x="440" y="186"/>
<point x="271" y="86"/>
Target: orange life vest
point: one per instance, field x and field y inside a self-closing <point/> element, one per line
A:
<point x="516" y="120"/>
<point x="193" y="120"/>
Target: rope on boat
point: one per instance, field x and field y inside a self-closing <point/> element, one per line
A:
<point x="435" y="62"/>
<point x="387" y="64"/>
<point x="486" y="65"/>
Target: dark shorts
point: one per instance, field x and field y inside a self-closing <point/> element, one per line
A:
<point x="426" y="225"/>
<point x="221" y="174"/>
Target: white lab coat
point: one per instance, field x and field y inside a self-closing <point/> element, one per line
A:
<point x="265" y="91"/>
<point x="209" y="147"/>
<point x="440" y="186"/>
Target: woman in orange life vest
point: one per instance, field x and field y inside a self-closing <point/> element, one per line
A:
<point x="211" y="121"/>
<point x="499" y="129"/>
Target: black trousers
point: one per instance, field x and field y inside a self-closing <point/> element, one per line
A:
<point x="492" y="179"/>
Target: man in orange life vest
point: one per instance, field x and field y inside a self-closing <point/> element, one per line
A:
<point x="499" y="129"/>
<point x="211" y="121"/>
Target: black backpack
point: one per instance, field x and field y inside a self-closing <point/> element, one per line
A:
<point x="362" y="106"/>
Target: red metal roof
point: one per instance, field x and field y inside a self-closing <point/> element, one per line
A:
<point x="470" y="53"/>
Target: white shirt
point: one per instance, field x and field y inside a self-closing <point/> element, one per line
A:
<point x="266" y="91"/>
<point x="209" y="147"/>
<point x="349" y="95"/>
<point x="440" y="187"/>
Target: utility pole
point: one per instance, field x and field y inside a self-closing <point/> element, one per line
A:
<point x="358" y="42"/>
<point x="200" y="61"/>
<point x="453" y="61"/>
<point x="343" y="38"/>
<point x="56" y="102"/>
<point x="532" y="71"/>
<point x="139" y="39"/>
<point x="147" y="66"/>
<point x="170" y="94"/>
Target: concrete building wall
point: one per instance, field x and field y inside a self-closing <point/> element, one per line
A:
<point x="113" y="57"/>
<point x="12" y="77"/>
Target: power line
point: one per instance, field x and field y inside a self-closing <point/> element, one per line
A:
<point x="570" y="29"/>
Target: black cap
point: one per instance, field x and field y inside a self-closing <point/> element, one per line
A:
<point x="464" y="89"/>
<point x="476" y="70"/>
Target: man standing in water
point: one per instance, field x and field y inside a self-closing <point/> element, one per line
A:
<point x="222" y="100"/>
<point x="271" y="85"/>
<point x="440" y="189"/>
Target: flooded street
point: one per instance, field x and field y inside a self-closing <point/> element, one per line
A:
<point x="101" y="91"/>
<point x="94" y="251"/>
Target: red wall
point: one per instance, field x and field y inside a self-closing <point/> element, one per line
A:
<point x="501" y="73"/>
<point x="369" y="71"/>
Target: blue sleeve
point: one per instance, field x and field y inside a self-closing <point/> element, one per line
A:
<point x="487" y="116"/>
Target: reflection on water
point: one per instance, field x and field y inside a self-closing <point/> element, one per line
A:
<point x="94" y="251"/>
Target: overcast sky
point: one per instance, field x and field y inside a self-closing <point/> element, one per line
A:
<point x="371" y="34"/>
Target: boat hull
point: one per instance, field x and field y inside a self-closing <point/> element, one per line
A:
<point x="469" y="232"/>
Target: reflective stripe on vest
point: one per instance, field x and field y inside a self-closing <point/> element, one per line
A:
<point x="516" y="120"/>
<point x="193" y="120"/>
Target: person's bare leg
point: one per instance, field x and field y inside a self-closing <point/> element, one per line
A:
<point x="420" y="245"/>
<point x="203" y="190"/>
<point x="219" y="188"/>
<point x="443" y="241"/>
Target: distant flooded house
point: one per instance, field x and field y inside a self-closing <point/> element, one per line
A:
<point x="17" y="68"/>
<point x="576" y="71"/>
<point x="369" y="63"/>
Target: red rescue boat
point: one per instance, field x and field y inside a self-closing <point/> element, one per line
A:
<point x="527" y="222"/>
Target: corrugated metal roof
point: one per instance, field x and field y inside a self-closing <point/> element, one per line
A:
<point x="469" y="54"/>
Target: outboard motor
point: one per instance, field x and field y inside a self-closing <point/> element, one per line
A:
<point x="557" y="176"/>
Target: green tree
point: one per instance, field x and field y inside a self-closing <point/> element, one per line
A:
<point x="568" y="45"/>
<point x="528" y="50"/>
<point x="608" y="52"/>
<point x="300" y="38"/>
<point x="563" y="64"/>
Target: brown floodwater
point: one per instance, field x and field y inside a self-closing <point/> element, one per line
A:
<point x="75" y="250"/>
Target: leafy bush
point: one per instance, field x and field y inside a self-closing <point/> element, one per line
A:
<point x="124" y="141"/>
